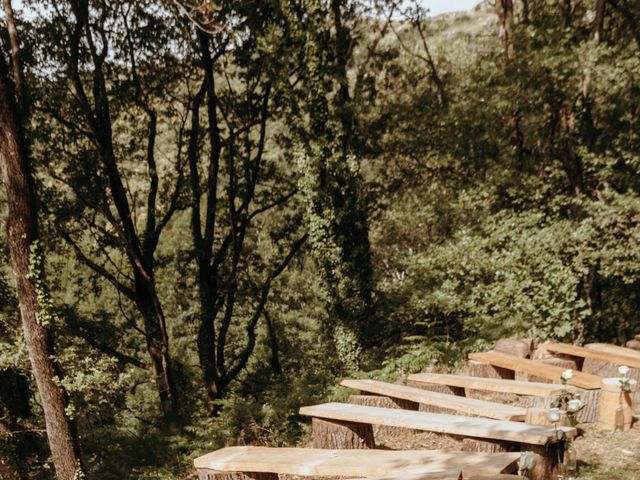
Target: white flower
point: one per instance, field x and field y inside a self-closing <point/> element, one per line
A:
<point x="567" y="374"/>
<point x="574" y="405"/>
<point x="527" y="461"/>
<point x="554" y="415"/>
<point x="623" y="370"/>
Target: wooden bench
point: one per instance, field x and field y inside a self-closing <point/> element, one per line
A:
<point x="524" y="365"/>
<point x="594" y="353"/>
<point x="466" y="406"/>
<point x="340" y="425"/>
<point x="614" y="349"/>
<point x="488" y="384"/>
<point x="263" y="463"/>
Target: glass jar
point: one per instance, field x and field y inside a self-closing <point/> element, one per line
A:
<point x="571" y="462"/>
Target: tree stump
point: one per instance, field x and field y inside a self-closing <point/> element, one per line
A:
<point x="547" y="460"/>
<point x="334" y="434"/>
<point x="214" y="475"/>
<point x="433" y="387"/>
<point x="384" y="402"/>
<point x="635" y="344"/>
<point x="611" y="398"/>
<point x="590" y="398"/>
<point x="515" y="346"/>
<point x="476" y="368"/>
<point x="563" y="362"/>
<point x="488" y="446"/>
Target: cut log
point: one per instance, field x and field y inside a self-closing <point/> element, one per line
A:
<point x="488" y="446"/>
<point x="563" y="363"/>
<point x="424" y="407"/>
<point x="634" y="344"/>
<point x="502" y="476"/>
<point x="341" y="435"/>
<point x="213" y="475"/>
<point x="590" y="399"/>
<point x="515" y="346"/>
<point x="537" y="416"/>
<point x="476" y="368"/>
<point x="547" y="461"/>
<point x="374" y="400"/>
<point x="612" y="398"/>
<point x="384" y="402"/>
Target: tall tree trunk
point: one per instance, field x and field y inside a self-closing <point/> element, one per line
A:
<point x="505" y="15"/>
<point x="598" y="22"/>
<point x="22" y="236"/>
<point x="330" y="181"/>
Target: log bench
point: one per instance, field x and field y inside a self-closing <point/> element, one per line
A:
<point x="580" y="379"/>
<point x="516" y="387"/>
<point x="464" y="405"/>
<point x="340" y="425"/>
<point x="585" y="384"/>
<point x="264" y="463"/>
<point x="607" y="355"/>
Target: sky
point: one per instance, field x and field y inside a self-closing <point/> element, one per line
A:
<point x="437" y="7"/>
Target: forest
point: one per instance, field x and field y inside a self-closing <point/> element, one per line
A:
<point x="213" y="209"/>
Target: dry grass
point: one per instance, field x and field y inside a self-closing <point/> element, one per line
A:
<point x="609" y="456"/>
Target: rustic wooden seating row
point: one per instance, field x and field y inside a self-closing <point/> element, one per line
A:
<point x="614" y="349"/>
<point x="482" y="428"/>
<point x="344" y="445"/>
<point x="463" y="405"/>
<point x="488" y="384"/>
<point x="263" y="463"/>
<point x="524" y="365"/>
<point x="607" y="355"/>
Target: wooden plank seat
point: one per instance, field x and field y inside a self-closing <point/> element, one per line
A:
<point x="481" y="428"/>
<point x="524" y="365"/>
<point x="464" y="405"/>
<point x="597" y="354"/>
<point x="264" y="463"/>
<point x="488" y="384"/>
<point x="340" y="425"/>
<point x="614" y="349"/>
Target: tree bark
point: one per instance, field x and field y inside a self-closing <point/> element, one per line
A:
<point x="22" y="228"/>
<point x="505" y="15"/>
<point x="342" y="435"/>
<point x="598" y="22"/>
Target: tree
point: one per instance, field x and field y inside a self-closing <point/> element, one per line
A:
<point x="28" y="269"/>
<point x="101" y="102"/>
<point x="331" y="183"/>
<point x="240" y="183"/>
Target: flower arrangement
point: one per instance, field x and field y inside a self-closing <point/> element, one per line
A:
<point x="625" y="380"/>
<point x="569" y="404"/>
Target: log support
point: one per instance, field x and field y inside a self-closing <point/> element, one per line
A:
<point x="335" y="434"/>
<point x="433" y="387"/>
<point x="488" y="446"/>
<point x="370" y="400"/>
<point x="476" y="368"/>
<point x="205" y="474"/>
<point x="547" y="460"/>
